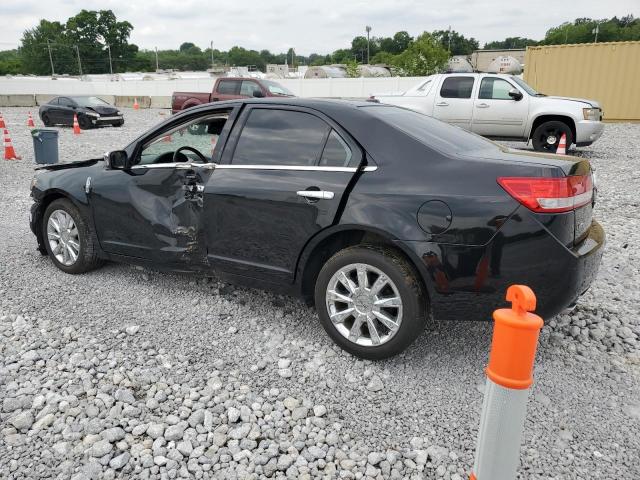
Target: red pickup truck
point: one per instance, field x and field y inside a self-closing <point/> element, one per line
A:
<point x="229" y="88"/>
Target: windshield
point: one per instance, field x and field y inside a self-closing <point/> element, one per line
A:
<point x="277" y="89"/>
<point x="90" y="101"/>
<point x="525" y="86"/>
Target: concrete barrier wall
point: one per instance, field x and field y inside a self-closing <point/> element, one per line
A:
<point x="316" y="87"/>
<point x="17" y="100"/>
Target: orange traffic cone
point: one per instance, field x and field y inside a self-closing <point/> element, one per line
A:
<point x="562" y="146"/>
<point x="9" y="152"/>
<point x="136" y="105"/>
<point x="2" y="124"/>
<point x="76" y="125"/>
<point x="30" y="123"/>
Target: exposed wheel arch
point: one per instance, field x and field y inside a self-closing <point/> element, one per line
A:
<point x="548" y="118"/>
<point x="50" y="196"/>
<point x="326" y="244"/>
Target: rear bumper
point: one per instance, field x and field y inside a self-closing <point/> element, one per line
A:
<point x="587" y="132"/>
<point x="469" y="282"/>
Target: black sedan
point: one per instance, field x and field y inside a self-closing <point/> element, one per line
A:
<point x="382" y="217"/>
<point x="91" y="112"/>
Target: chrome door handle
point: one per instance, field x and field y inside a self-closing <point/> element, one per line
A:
<point x="482" y="105"/>
<point x="315" y="194"/>
<point x="442" y="104"/>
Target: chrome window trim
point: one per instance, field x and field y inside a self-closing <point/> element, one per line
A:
<point x="183" y="165"/>
<point x="303" y="168"/>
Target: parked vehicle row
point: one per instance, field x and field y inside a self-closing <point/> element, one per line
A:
<point x="503" y="107"/>
<point x="379" y="216"/>
<point x="91" y="112"/>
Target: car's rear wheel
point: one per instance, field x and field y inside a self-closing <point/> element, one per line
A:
<point x="46" y="120"/>
<point x="370" y="301"/>
<point x="68" y="238"/>
<point x="546" y="136"/>
<point x="84" y="122"/>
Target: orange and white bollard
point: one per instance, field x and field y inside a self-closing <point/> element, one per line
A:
<point x="562" y="145"/>
<point x="509" y="376"/>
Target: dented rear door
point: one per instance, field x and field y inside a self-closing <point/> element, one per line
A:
<point x="151" y="212"/>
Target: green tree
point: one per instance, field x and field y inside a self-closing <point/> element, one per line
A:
<point x="425" y="56"/>
<point x="352" y="69"/>
<point x="92" y="31"/>
<point x="460" y="45"/>
<point x="383" y="58"/>
<point x="10" y="62"/>
<point x="34" y="51"/>
<point x="582" y="31"/>
<point x="510" y="42"/>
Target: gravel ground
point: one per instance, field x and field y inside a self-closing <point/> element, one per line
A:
<point x="125" y="372"/>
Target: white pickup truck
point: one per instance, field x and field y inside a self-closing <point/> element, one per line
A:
<point x="503" y="107"/>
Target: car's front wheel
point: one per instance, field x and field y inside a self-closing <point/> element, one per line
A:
<point x="370" y="301"/>
<point x="85" y="122"/>
<point x="546" y="137"/>
<point x="68" y="238"/>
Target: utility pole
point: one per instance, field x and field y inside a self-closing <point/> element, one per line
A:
<point x="157" y="67"/>
<point x="368" y="29"/>
<point x="110" y="65"/>
<point x="79" y="63"/>
<point x="596" y="30"/>
<point x="449" y="37"/>
<point x="293" y="57"/>
<point x="211" y="53"/>
<point x="50" y="58"/>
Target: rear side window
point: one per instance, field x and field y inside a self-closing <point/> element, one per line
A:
<point x="280" y="137"/>
<point x="54" y="101"/>
<point x="456" y="87"/>
<point x="336" y="152"/>
<point x="65" y="102"/>
<point x="228" y="87"/>
<point x="492" y="88"/>
<point x="248" y="87"/>
<point x="429" y="131"/>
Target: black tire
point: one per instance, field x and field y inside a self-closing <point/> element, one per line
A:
<point x="84" y="122"/>
<point x="88" y="252"/>
<point x="45" y="120"/>
<point x="409" y="287"/>
<point x="553" y="128"/>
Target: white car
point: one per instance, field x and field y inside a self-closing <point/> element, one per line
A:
<point x="503" y="107"/>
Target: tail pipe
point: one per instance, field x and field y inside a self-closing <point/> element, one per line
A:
<point x="509" y="377"/>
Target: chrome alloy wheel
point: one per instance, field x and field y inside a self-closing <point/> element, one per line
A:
<point x="63" y="237"/>
<point x="364" y="304"/>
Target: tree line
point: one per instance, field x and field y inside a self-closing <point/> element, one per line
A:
<point x="96" y="42"/>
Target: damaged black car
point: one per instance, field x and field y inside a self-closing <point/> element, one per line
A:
<point x="381" y="217"/>
<point x="91" y="112"/>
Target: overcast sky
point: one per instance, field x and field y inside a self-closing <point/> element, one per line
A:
<point x="309" y="26"/>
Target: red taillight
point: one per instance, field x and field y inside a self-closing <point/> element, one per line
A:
<point x="550" y="195"/>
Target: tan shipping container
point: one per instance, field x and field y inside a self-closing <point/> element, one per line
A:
<point x="606" y="72"/>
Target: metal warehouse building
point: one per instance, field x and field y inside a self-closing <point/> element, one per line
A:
<point x="606" y="72"/>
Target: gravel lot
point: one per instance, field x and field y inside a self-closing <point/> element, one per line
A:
<point x="130" y="373"/>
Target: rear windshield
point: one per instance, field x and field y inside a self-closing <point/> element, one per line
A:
<point x="429" y="131"/>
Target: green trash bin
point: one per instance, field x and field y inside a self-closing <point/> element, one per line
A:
<point x="45" y="145"/>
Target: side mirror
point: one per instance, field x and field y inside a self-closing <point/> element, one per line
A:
<point x="117" y="160"/>
<point x="258" y="94"/>
<point x="515" y="94"/>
